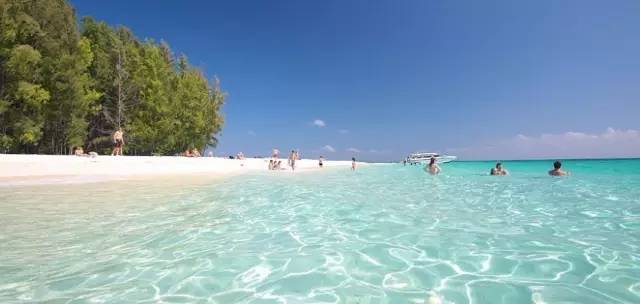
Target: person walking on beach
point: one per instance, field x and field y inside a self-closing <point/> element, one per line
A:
<point x="292" y="160"/>
<point x="433" y="167"/>
<point x="353" y="164"/>
<point x="557" y="171"/>
<point x="499" y="170"/>
<point x="118" y="142"/>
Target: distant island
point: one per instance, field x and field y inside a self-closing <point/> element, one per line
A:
<point x="65" y="84"/>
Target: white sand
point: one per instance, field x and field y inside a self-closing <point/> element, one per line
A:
<point x="17" y="167"/>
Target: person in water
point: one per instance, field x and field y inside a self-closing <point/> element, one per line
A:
<point x="499" y="170"/>
<point x="353" y="164"/>
<point x="433" y="167"/>
<point x="557" y="169"/>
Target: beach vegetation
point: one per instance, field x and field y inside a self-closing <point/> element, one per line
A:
<point x="65" y="83"/>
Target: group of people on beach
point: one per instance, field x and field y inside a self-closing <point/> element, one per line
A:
<point x="433" y="169"/>
<point x="276" y="164"/>
<point x="118" y="141"/>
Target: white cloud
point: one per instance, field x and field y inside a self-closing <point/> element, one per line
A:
<point x="610" y="143"/>
<point x="319" y="123"/>
<point x="251" y="133"/>
<point x="343" y="131"/>
<point x="329" y="148"/>
<point x="353" y="150"/>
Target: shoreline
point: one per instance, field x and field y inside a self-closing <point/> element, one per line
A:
<point x="30" y="169"/>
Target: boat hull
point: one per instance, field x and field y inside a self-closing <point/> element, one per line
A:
<point x="440" y="160"/>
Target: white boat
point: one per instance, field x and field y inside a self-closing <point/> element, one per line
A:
<point x="425" y="157"/>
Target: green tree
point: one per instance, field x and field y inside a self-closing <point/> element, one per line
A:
<point x="61" y="87"/>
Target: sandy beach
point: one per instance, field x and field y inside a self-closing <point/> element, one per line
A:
<point x="28" y="167"/>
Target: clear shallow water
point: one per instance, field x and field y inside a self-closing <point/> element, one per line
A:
<point x="384" y="234"/>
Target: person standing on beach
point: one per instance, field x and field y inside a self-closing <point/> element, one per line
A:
<point x="433" y="167"/>
<point x="353" y="164"/>
<point x="292" y="160"/>
<point x="557" y="171"/>
<point x="118" y="142"/>
<point x="320" y="161"/>
<point x="499" y="170"/>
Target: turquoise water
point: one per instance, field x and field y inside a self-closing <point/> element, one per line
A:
<point x="382" y="234"/>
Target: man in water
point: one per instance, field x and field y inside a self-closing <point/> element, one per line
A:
<point x="433" y="167"/>
<point x="498" y="170"/>
<point x="557" y="171"/>
<point x="118" y="141"/>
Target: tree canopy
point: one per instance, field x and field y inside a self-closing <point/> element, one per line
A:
<point x="64" y="85"/>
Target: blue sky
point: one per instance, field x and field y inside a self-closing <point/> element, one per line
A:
<point x="381" y="79"/>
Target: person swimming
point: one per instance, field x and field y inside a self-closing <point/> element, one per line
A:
<point x="557" y="169"/>
<point x="499" y="170"/>
<point x="432" y="168"/>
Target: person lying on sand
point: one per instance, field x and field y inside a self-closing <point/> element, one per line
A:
<point x="499" y="170"/>
<point x="78" y="151"/>
<point x="557" y="171"/>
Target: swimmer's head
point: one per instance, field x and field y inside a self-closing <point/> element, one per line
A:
<point x="557" y="164"/>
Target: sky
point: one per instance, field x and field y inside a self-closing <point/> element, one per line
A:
<point x="380" y="79"/>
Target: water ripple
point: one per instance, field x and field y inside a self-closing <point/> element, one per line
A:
<point x="379" y="235"/>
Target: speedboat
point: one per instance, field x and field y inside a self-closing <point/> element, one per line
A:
<point x="425" y="157"/>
